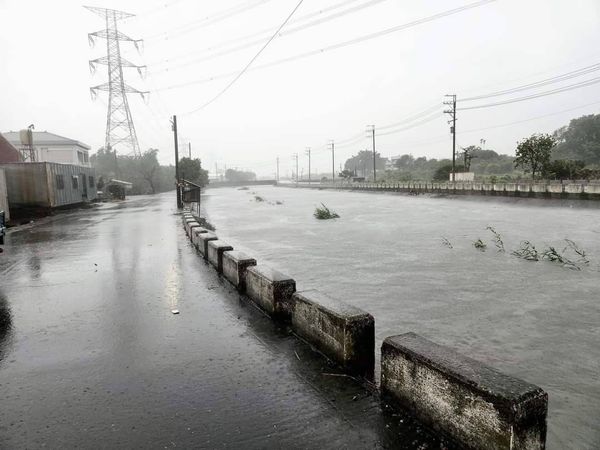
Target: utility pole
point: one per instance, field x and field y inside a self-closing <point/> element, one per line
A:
<point x="174" y="127"/>
<point x="190" y="149"/>
<point x="452" y="113"/>
<point x="119" y="123"/>
<point x="278" y="169"/>
<point x="308" y="153"/>
<point x="332" y="146"/>
<point x="371" y="131"/>
<point x="295" y="156"/>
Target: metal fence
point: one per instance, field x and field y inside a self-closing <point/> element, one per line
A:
<point x="191" y="196"/>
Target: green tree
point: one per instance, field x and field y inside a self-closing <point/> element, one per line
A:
<point x="533" y="153"/>
<point x="148" y="167"/>
<point x="580" y="140"/>
<point x="362" y="163"/>
<point x="564" y="169"/>
<point x="239" y="175"/>
<point x="191" y="170"/>
<point x="346" y="174"/>
<point x="442" y="173"/>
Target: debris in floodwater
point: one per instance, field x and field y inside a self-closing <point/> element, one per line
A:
<point x="480" y="245"/>
<point x="527" y="251"/>
<point x="498" y="242"/>
<point x="446" y="242"/>
<point x="258" y="198"/>
<point x="175" y="311"/>
<point x="324" y="213"/>
<point x="243" y="188"/>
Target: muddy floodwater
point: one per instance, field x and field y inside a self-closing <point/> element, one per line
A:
<point x="538" y="321"/>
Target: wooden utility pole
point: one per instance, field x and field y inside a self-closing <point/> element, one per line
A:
<point x="174" y="127"/>
<point x="371" y="131"/>
<point x="277" y="168"/>
<point x="295" y="156"/>
<point x="332" y="145"/>
<point x="452" y="113"/>
<point x="190" y="149"/>
<point x="308" y="153"/>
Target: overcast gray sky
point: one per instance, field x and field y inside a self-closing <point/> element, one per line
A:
<point x="284" y="108"/>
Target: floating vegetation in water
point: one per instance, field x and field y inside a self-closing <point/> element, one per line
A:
<point x="446" y="242"/>
<point x="551" y="254"/>
<point x="278" y="202"/>
<point x="498" y="242"/>
<point x="583" y="259"/>
<point x="324" y="213"/>
<point x="479" y="245"/>
<point x="258" y="198"/>
<point x="243" y="188"/>
<point x="527" y="251"/>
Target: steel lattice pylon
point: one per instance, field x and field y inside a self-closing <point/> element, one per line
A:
<point x="119" y="124"/>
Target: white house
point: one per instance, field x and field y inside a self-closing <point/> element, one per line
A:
<point x="50" y="147"/>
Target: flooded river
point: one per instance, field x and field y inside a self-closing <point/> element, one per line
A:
<point x="386" y="254"/>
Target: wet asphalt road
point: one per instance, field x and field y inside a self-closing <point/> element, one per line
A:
<point x="92" y="357"/>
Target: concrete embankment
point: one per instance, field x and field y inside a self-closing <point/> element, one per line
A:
<point x="473" y="404"/>
<point x="566" y="191"/>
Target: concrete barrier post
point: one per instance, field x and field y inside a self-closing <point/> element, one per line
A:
<point x="475" y="404"/>
<point x="192" y="227"/>
<point x="271" y="290"/>
<point x="197" y="231"/>
<point x="203" y="240"/>
<point x="215" y="253"/>
<point x="235" y="264"/>
<point x="342" y="332"/>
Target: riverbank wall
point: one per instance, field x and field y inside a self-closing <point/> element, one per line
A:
<point x="472" y="404"/>
<point x="549" y="190"/>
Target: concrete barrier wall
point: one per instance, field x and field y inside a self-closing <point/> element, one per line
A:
<point x="342" y="332"/>
<point x="215" y="253"/>
<point x="476" y="405"/>
<point x="235" y="264"/>
<point x="271" y="290"/>
<point x="196" y="233"/>
<point x="203" y="240"/>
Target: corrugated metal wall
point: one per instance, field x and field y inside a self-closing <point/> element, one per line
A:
<point x="70" y="193"/>
<point x="4" y="195"/>
<point x="37" y="184"/>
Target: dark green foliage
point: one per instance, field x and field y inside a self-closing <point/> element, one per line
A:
<point x="533" y="153"/>
<point x="564" y="169"/>
<point x="239" y="175"/>
<point x="191" y="170"/>
<point x="144" y="172"/>
<point x="361" y="164"/>
<point x="443" y="172"/>
<point x="580" y="140"/>
<point x="324" y="213"/>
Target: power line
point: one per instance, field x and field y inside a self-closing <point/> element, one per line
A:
<point x="218" y="17"/>
<point x="551" y="80"/>
<point x="289" y="31"/>
<point x="249" y="63"/>
<point x="538" y="95"/>
<point x="339" y="45"/>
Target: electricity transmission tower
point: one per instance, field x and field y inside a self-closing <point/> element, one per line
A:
<point x="119" y="124"/>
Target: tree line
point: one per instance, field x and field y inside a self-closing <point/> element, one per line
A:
<point x="571" y="152"/>
<point x="145" y="173"/>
